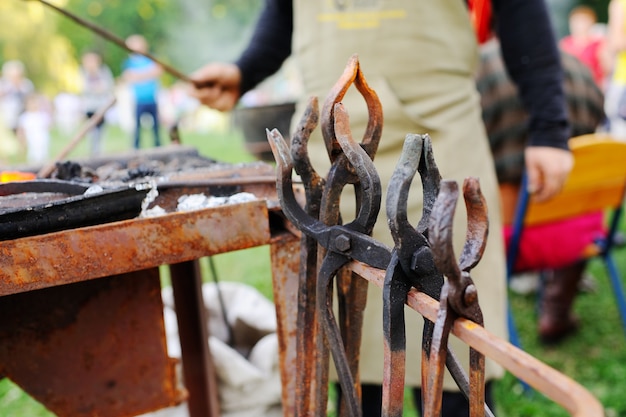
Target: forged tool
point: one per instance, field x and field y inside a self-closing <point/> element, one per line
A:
<point x="458" y="296"/>
<point x="412" y="266"/>
<point x="351" y="290"/>
<point x="343" y="243"/>
<point x="311" y="375"/>
<point x="572" y="396"/>
<point x="351" y="165"/>
<point x="411" y="277"/>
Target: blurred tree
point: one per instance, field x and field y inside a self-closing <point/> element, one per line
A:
<point x="186" y="34"/>
<point x="50" y="44"/>
<point x="216" y="30"/>
<point x="28" y="34"/>
<point x="122" y="18"/>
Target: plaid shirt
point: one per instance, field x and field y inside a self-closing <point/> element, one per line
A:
<point x="506" y="119"/>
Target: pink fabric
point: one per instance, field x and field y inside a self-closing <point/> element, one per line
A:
<point x="554" y="245"/>
<point x="588" y="54"/>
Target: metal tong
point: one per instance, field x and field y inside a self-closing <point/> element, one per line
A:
<point x="459" y="296"/>
<point x="351" y="163"/>
<point x="413" y="265"/>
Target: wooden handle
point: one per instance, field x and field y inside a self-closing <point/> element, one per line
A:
<point x="559" y="388"/>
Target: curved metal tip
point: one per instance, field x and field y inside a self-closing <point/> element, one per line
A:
<point x="369" y="181"/>
<point x="400" y="183"/>
<point x="440" y="229"/>
<point x="429" y="173"/>
<point x="280" y="150"/>
<point x="477" y="224"/>
<point x="300" y="140"/>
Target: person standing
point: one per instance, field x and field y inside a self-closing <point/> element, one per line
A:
<point x="585" y="43"/>
<point x="143" y="75"/>
<point x="615" y="100"/>
<point x="14" y="88"/>
<point x="561" y="244"/>
<point x="419" y="56"/>
<point x="33" y="129"/>
<point x="97" y="90"/>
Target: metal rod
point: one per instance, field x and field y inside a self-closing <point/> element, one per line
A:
<point x="220" y="298"/>
<point x="118" y="41"/>
<point x="90" y="124"/>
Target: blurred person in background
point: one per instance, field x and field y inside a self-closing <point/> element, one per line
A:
<point x="10" y="146"/>
<point x="142" y="74"/>
<point x="615" y="100"/>
<point x="420" y="57"/>
<point x="68" y="112"/>
<point x="585" y="43"/>
<point x="506" y="121"/>
<point x="14" y="88"/>
<point x="96" y="92"/>
<point x="33" y="129"/>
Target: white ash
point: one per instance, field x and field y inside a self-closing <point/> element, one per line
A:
<point x="200" y="201"/>
<point x="150" y="197"/>
<point x="94" y="189"/>
<point x="154" y="212"/>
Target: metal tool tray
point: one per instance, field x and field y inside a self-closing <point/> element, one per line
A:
<point x="35" y="207"/>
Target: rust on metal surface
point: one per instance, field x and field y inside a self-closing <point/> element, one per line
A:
<point x="352" y="75"/>
<point x="307" y="379"/>
<point x="411" y="265"/>
<point x="75" y="296"/>
<point x="92" y="252"/>
<point x="458" y="295"/>
<point x="91" y="348"/>
<point x="284" y="252"/>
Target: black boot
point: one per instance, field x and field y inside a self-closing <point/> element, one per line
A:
<point x="556" y="320"/>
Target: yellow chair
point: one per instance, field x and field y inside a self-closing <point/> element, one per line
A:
<point x="597" y="183"/>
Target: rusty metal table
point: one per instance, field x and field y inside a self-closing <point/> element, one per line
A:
<point x="73" y="304"/>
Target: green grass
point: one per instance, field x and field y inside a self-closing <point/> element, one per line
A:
<point x="595" y="357"/>
<point x="15" y="403"/>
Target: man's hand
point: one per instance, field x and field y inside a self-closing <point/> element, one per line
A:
<point x="217" y="85"/>
<point x="547" y="170"/>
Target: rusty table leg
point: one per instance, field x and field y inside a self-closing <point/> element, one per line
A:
<point x="198" y="368"/>
<point x="285" y="254"/>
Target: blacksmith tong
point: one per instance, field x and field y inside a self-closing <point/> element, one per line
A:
<point x="414" y="264"/>
<point x="351" y="164"/>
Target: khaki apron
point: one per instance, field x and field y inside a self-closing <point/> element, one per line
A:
<point x="419" y="56"/>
